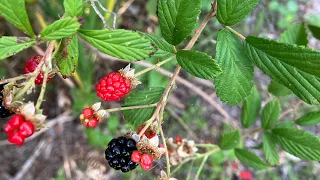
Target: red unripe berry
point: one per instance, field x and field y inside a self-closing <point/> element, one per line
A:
<point x="14" y="123"/>
<point x="146" y="167"/>
<point x="148" y="133"/>
<point x="93" y="122"/>
<point x="31" y="65"/>
<point x="26" y="129"/>
<point x="87" y="112"/>
<point x="136" y="156"/>
<point x="16" y="138"/>
<point x="245" y="175"/>
<point x="113" y="87"/>
<point x="146" y="160"/>
<point x="178" y="139"/>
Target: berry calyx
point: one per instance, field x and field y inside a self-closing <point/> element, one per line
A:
<point x="31" y="65"/>
<point x="149" y="133"/>
<point x="87" y="112"/>
<point x="178" y="139"/>
<point x="146" y="161"/>
<point x="113" y="87"/>
<point x="136" y="156"/>
<point x="3" y="111"/>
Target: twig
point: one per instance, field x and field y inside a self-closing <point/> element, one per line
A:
<point x="131" y="107"/>
<point x="98" y="13"/>
<point x="124" y="7"/>
<point x="107" y="11"/>
<point x="295" y="106"/>
<point x="154" y="66"/>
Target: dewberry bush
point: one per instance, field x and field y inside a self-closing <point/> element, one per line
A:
<point x="292" y="66"/>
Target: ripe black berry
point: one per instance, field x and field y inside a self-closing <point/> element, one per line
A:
<point x="3" y="111"/>
<point x="118" y="154"/>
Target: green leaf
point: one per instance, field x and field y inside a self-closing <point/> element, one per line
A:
<point x="295" y="34"/>
<point x="11" y="45"/>
<point x="198" y="64"/>
<point x="251" y="108"/>
<point x="315" y="30"/>
<point x="296" y="67"/>
<point x="14" y="11"/>
<point x="250" y="159"/>
<point x="59" y="29"/>
<point x="310" y="119"/>
<point x="235" y="82"/>
<point x="286" y="124"/>
<point x="178" y="18"/>
<point x="68" y="56"/>
<point x="230" y="12"/>
<point x="229" y="140"/>
<point x="298" y="143"/>
<point x="160" y="43"/>
<point x="270" y="149"/>
<point x="146" y="96"/>
<point x="278" y="89"/>
<point x="123" y="44"/>
<point x="270" y="114"/>
<point x="73" y="7"/>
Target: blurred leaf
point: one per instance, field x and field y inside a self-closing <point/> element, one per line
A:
<point x="160" y="43"/>
<point x="12" y="45"/>
<point x="62" y="28"/>
<point x="315" y="30"/>
<point x="123" y="44"/>
<point x="73" y="7"/>
<point x="198" y="64"/>
<point x="295" y="34"/>
<point x="250" y="159"/>
<point x="97" y="138"/>
<point x="113" y="123"/>
<point x="285" y="124"/>
<point x="279" y="89"/>
<point x="217" y="158"/>
<point x="270" y="149"/>
<point x="230" y="12"/>
<point x="310" y="119"/>
<point x="251" y="108"/>
<point x="229" y="140"/>
<point x="178" y="18"/>
<point x="298" y="143"/>
<point x="235" y="82"/>
<point x="68" y="56"/>
<point x="14" y="11"/>
<point x="146" y="96"/>
<point x="270" y="114"/>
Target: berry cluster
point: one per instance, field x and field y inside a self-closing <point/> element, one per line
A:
<point x="113" y="87"/>
<point x="31" y="65"/>
<point x="145" y="160"/>
<point x="90" y="120"/>
<point x="3" y="111"/>
<point x="118" y="154"/>
<point x="18" y="129"/>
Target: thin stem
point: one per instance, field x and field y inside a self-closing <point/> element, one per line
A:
<point x="190" y="170"/>
<point x="167" y="153"/>
<point x="252" y="131"/>
<point x="43" y="90"/>
<point x="154" y="66"/>
<point x="236" y="33"/>
<point x="21" y="77"/>
<point x="201" y="167"/>
<point x="25" y="88"/>
<point x="206" y="145"/>
<point x="131" y="107"/>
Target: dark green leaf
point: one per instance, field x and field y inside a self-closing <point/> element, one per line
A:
<point x="270" y="114"/>
<point x="250" y="159"/>
<point x="296" y="67"/>
<point x="178" y="18"/>
<point x="123" y="44"/>
<point x="147" y="96"/>
<point x="298" y="143"/>
<point x="230" y="12"/>
<point x="59" y="29"/>
<point x="235" y="82"/>
<point x="315" y="30"/>
<point x="251" y="108"/>
<point x="73" y="7"/>
<point x="160" y="43"/>
<point x="295" y="34"/>
<point x="270" y="149"/>
<point x="14" y="11"/>
<point x="198" y="64"/>
<point x="67" y="56"/>
<point x="12" y="45"/>
<point x="309" y="119"/>
<point x="229" y="140"/>
<point x="278" y="89"/>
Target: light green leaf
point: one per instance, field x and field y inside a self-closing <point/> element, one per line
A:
<point x="236" y="80"/>
<point x="59" y="29"/>
<point x="14" y="11"/>
<point x="270" y="114"/>
<point x="229" y="140"/>
<point x="198" y="64"/>
<point x="178" y="18"/>
<point x="68" y="55"/>
<point x="278" y="89"/>
<point x="250" y="159"/>
<point x="146" y="96"/>
<point x="296" y="67"/>
<point x="295" y="34"/>
<point x="251" y="108"/>
<point x="310" y="119"/>
<point x="315" y="30"/>
<point x="123" y="44"/>
<point x="230" y="12"/>
<point x="160" y="43"/>
<point x="270" y="149"/>
<point x="11" y="45"/>
<point x="298" y="143"/>
<point x="73" y="7"/>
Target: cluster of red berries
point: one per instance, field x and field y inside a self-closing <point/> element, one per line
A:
<point x="145" y="160"/>
<point x="31" y="65"/>
<point x="18" y="129"/>
<point x="90" y="120"/>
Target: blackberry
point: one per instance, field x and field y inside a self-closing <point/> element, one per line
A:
<point x="118" y="154"/>
<point x="3" y="111"/>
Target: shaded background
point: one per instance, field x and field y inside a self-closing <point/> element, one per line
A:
<point x="67" y="150"/>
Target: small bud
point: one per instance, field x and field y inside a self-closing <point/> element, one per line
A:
<point x="96" y="106"/>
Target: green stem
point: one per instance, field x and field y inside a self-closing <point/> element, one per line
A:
<point x="201" y="167"/>
<point x="154" y="66"/>
<point x="167" y="153"/>
<point x="43" y="90"/>
<point x="131" y="107"/>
